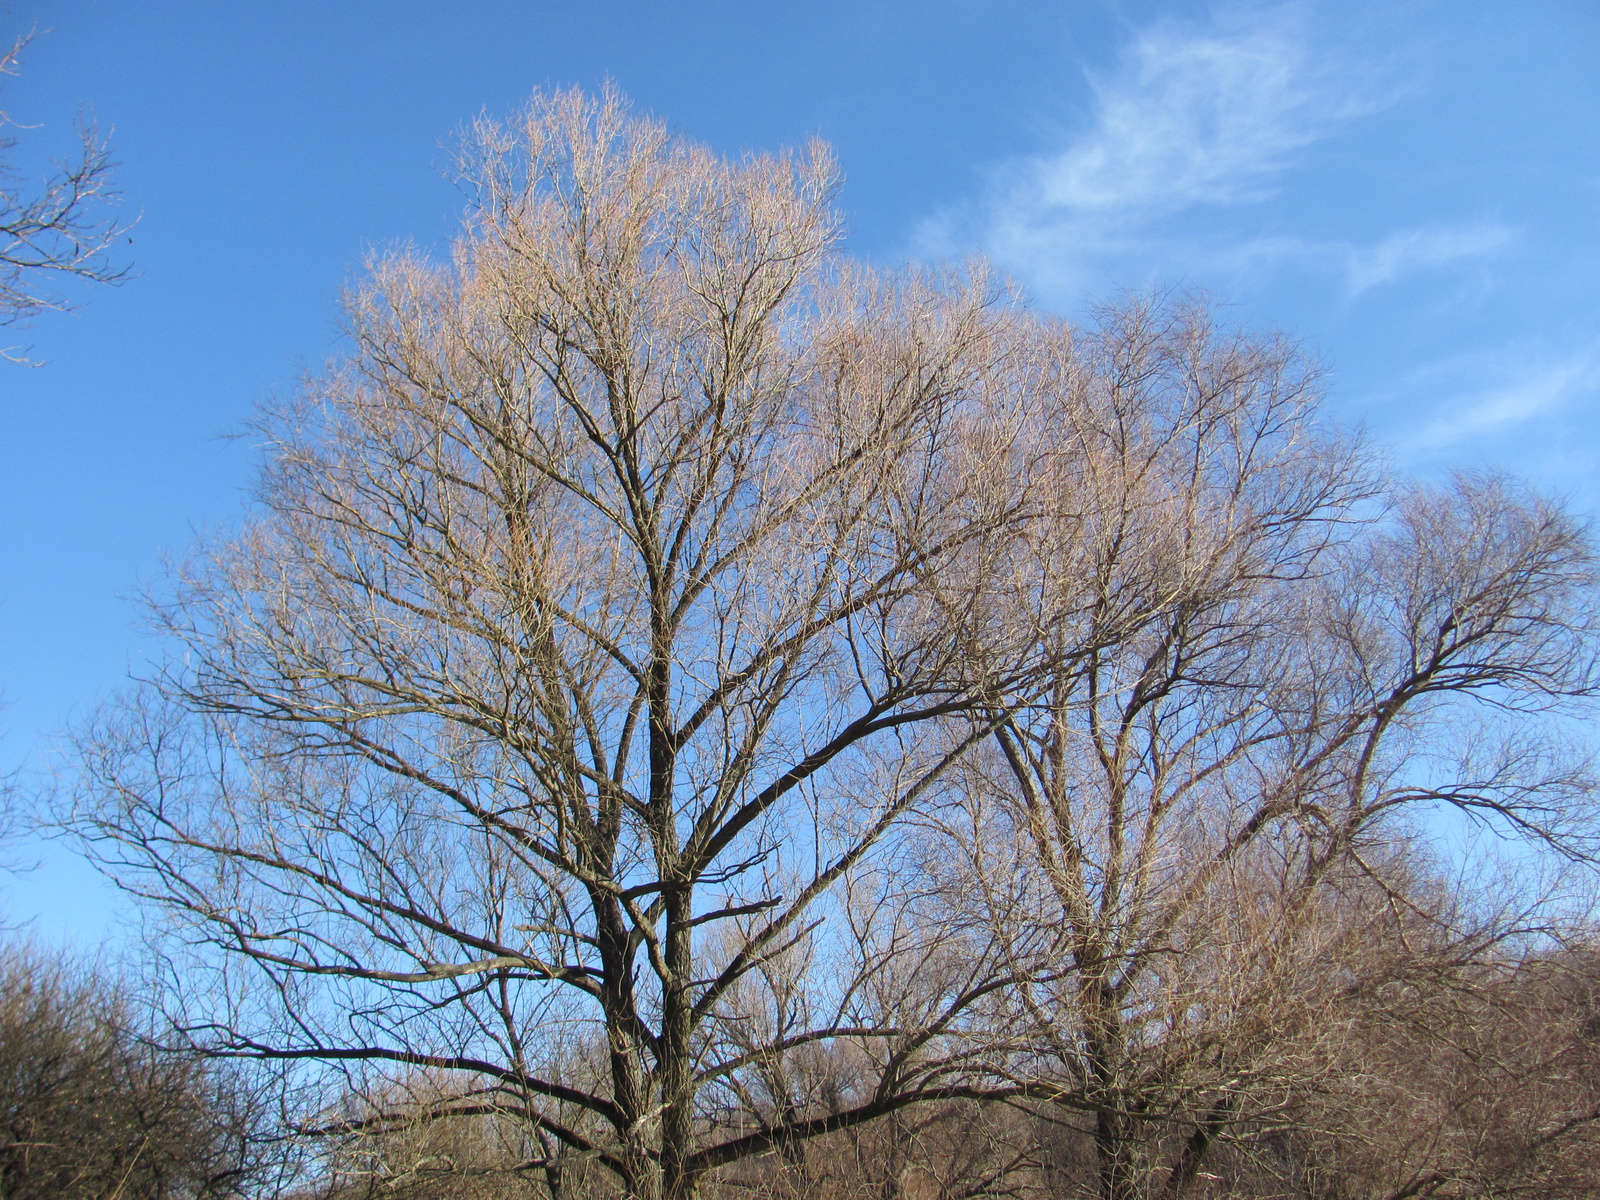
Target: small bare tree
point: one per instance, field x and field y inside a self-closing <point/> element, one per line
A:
<point x="59" y="228"/>
<point x="1189" y="836"/>
<point x="552" y="724"/>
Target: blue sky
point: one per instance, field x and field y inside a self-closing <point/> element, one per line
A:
<point x="1413" y="189"/>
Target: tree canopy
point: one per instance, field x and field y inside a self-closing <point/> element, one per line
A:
<point x="682" y="693"/>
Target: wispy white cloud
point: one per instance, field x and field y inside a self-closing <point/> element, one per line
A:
<point x="1363" y="266"/>
<point x="1413" y="249"/>
<point x="1193" y="116"/>
<point x="1524" y="393"/>
<point x="1190" y="115"/>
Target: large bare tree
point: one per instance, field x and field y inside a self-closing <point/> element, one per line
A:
<point x="550" y="723"/>
<point x="569" y="744"/>
<point x="1196" y="834"/>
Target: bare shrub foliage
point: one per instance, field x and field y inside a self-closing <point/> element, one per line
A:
<point x="90" y="1109"/>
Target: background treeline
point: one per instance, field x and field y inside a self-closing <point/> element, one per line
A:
<point x="1486" y="1084"/>
<point x="689" y="713"/>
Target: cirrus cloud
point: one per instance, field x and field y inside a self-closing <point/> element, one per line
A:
<point x="1191" y="116"/>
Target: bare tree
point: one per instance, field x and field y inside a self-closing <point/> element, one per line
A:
<point x="566" y="747"/>
<point x="59" y="228"/>
<point x="552" y="723"/>
<point x="1193" y="835"/>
